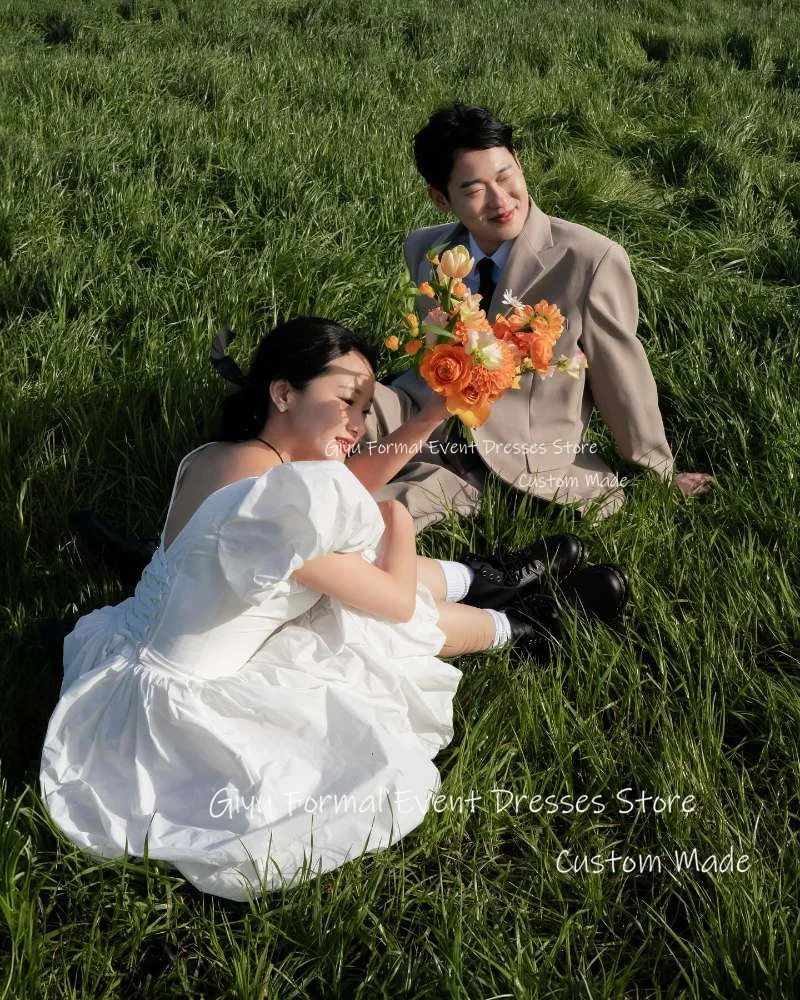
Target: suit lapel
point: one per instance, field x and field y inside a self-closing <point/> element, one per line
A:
<point x="524" y="264"/>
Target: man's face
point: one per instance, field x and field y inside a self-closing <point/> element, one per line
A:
<point x="487" y="192"/>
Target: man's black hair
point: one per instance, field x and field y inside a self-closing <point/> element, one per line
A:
<point x="450" y="129"/>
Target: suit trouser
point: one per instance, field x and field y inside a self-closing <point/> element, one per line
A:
<point x="441" y="480"/>
<point x="436" y="482"/>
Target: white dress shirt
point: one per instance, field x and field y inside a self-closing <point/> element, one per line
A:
<point x="498" y="258"/>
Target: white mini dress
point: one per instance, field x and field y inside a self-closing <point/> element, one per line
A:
<point x="248" y="727"/>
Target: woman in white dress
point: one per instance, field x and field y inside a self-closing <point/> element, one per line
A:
<point x="272" y="695"/>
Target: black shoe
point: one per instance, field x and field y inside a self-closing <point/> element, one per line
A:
<point x="534" y="626"/>
<point x="561" y="555"/>
<point x="600" y="591"/>
<point x="493" y="588"/>
<point x="127" y="555"/>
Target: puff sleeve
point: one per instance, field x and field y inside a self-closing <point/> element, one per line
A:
<point x="292" y="514"/>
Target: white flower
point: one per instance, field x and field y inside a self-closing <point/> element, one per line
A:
<point x="483" y="346"/>
<point x="572" y="366"/>
<point x="511" y="300"/>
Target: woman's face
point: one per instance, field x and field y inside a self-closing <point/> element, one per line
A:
<point x="327" y="418"/>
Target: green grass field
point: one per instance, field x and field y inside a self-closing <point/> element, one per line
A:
<point x="167" y="168"/>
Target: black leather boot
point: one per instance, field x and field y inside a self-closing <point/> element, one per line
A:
<point x="492" y="588"/>
<point x="561" y="555"/>
<point x="534" y="626"/>
<point x="599" y="591"/>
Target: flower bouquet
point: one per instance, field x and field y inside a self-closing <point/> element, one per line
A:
<point x="467" y="359"/>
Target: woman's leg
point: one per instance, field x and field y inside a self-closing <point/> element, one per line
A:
<point x="468" y="629"/>
<point x="430" y="573"/>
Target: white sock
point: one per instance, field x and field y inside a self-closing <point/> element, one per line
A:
<point x="457" y="577"/>
<point x="502" y="628"/>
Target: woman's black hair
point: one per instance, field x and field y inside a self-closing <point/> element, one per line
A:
<point x="298" y="350"/>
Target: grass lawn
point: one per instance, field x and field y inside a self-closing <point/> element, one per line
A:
<point x="167" y="168"/>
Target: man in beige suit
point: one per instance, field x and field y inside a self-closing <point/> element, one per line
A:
<point x="535" y="436"/>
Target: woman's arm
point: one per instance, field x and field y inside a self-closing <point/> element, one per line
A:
<point x="387" y="589"/>
<point x="380" y="461"/>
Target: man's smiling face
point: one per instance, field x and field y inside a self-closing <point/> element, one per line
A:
<point x="487" y="192"/>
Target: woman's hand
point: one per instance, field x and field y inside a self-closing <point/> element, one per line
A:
<point x="435" y="409"/>
<point x="393" y="512"/>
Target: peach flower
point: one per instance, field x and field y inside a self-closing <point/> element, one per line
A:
<point x="455" y="263"/>
<point x="471" y="314"/>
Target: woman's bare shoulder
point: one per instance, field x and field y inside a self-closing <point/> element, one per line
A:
<point x="226" y="461"/>
<point x="219" y="465"/>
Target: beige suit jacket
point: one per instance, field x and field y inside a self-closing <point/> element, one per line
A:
<point x="534" y="438"/>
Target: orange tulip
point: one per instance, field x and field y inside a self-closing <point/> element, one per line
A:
<point x="501" y="328"/>
<point x="426" y="289"/>
<point x="459" y="288"/>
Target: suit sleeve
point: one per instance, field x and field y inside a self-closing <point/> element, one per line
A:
<point x="392" y="405"/>
<point x="619" y="375"/>
<point x="406" y="254"/>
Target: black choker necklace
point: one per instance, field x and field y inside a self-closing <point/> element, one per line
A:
<point x="263" y="441"/>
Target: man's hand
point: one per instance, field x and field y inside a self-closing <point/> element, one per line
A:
<point x="693" y="483"/>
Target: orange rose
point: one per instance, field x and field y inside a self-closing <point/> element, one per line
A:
<point x="471" y="405"/>
<point x="541" y="352"/>
<point x="426" y="289"/>
<point x="413" y="346"/>
<point x="445" y="368"/>
<point x="459" y="289"/>
<point x="391" y="343"/>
